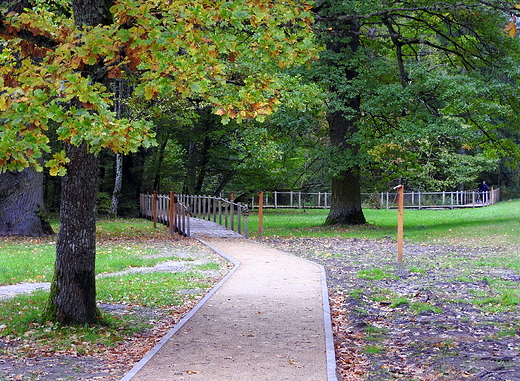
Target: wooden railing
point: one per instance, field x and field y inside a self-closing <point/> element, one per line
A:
<point x="225" y="212"/>
<point x="159" y="209"/>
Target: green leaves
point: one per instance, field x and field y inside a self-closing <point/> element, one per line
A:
<point x="225" y="53"/>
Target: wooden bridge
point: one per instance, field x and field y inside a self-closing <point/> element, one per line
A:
<point x="187" y="213"/>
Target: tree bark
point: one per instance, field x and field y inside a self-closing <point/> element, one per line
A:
<point x="73" y="292"/>
<point x="72" y="298"/>
<point x="22" y="210"/>
<point x="114" y="203"/>
<point x="345" y="206"/>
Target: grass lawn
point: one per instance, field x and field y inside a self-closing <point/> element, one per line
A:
<point x="122" y="244"/>
<point x="492" y="225"/>
<point x="129" y="243"/>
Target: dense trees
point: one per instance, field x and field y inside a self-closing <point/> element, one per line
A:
<point x="402" y="74"/>
<point x="57" y="60"/>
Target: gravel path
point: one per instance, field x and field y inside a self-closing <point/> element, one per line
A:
<point x="265" y="322"/>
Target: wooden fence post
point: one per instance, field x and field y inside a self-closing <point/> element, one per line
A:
<point x="400" y="222"/>
<point x="260" y="212"/>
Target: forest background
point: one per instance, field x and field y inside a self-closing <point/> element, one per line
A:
<point x="437" y="112"/>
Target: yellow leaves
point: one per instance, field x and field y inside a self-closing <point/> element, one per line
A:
<point x="4" y="103"/>
<point x="511" y="28"/>
<point x="150" y="93"/>
<point x="176" y="47"/>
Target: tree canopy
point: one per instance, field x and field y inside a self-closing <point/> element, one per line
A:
<point x="56" y="69"/>
<point x="402" y="75"/>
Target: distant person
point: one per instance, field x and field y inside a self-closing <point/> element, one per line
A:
<point x="483" y="190"/>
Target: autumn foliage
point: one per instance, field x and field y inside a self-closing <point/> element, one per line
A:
<point x="56" y="75"/>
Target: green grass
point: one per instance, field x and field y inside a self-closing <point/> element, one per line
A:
<point x="26" y="262"/>
<point x="419" y="307"/>
<point x="375" y="274"/>
<point x="373" y="333"/>
<point x="373" y="349"/>
<point x="207" y="266"/>
<point x="148" y="289"/>
<point x="130" y="243"/>
<point x="32" y="260"/>
<point x="498" y="224"/>
<point x="122" y="244"/>
<point x="401" y="301"/>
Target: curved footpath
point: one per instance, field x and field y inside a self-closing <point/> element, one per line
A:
<point x="268" y="319"/>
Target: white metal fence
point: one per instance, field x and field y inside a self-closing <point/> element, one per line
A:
<point x="383" y="200"/>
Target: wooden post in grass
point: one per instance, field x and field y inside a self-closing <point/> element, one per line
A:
<point x="260" y="212"/>
<point x="154" y="206"/>
<point x="171" y="217"/>
<point x="400" y="222"/>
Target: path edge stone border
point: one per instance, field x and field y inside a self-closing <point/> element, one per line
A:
<point x="148" y="356"/>
<point x="329" y="337"/>
<point x="327" y="321"/>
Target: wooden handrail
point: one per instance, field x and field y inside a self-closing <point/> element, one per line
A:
<point x="176" y="214"/>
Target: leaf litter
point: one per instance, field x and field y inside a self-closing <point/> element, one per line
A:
<point x="447" y="313"/>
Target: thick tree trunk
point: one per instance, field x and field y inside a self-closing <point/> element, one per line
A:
<point x="73" y="291"/>
<point x="343" y="126"/>
<point x="22" y="211"/>
<point x="345" y="208"/>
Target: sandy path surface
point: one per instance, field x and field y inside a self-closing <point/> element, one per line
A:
<point x="265" y="322"/>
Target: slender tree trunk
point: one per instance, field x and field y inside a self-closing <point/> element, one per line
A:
<point x="191" y="168"/>
<point x="73" y="291"/>
<point x="120" y="92"/>
<point x="203" y="170"/>
<point x="158" y="167"/>
<point x="114" y="203"/>
<point x="22" y="211"/>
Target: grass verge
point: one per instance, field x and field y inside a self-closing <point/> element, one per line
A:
<point x="497" y="223"/>
<point x="130" y="301"/>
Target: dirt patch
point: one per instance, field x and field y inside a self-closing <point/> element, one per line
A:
<point x="446" y="313"/>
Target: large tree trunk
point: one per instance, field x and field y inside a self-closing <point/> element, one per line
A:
<point x="345" y="206"/>
<point x="73" y="291"/>
<point x="22" y="211"/>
